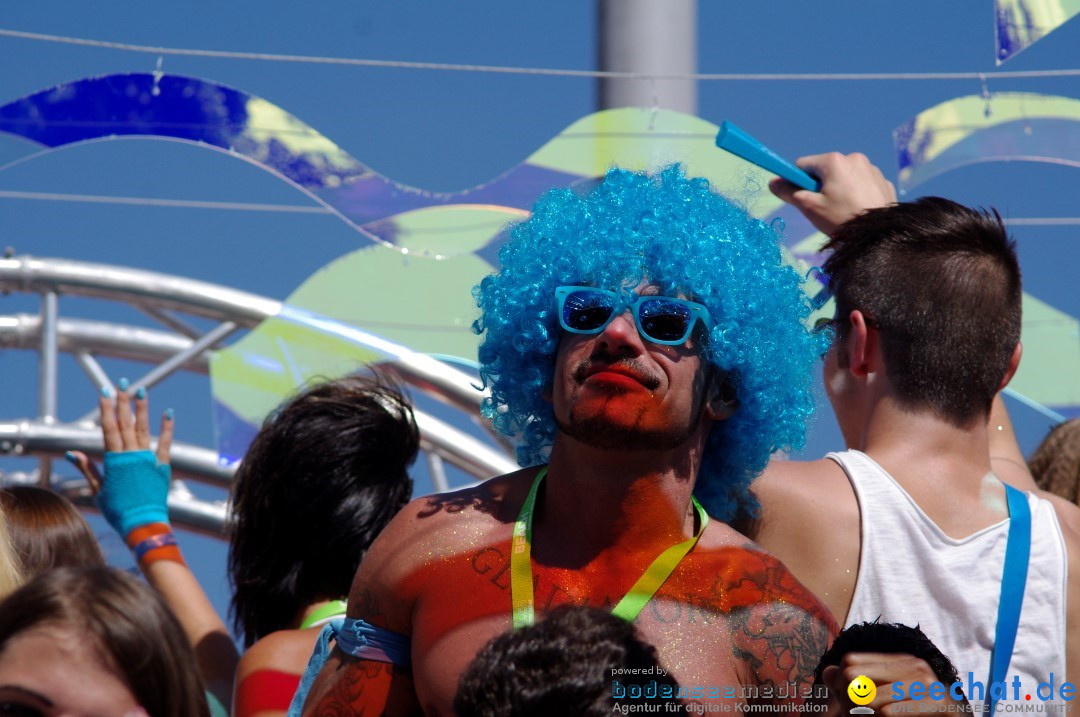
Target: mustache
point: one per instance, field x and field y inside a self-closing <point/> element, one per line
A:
<point x="602" y="358"/>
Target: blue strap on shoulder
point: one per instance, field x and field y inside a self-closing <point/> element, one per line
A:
<point x="1013" y="582"/>
<point x="368" y="642"/>
<point x="318" y="659"/>
<point x="357" y="638"/>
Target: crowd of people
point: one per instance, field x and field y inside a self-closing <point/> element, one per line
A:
<point x="649" y="349"/>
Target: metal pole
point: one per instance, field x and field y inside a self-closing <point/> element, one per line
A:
<point x="99" y="338"/>
<point x="47" y="358"/>
<point x="47" y="374"/>
<point x="135" y="286"/>
<point x="654" y="37"/>
<point x="460" y="449"/>
<point x="167" y="368"/>
<point x="22" y="437"/>
<point x="438" y="472"/>
<point x="165" y="293"/>
<point x="94" y="371"/>
<point x="164" y="317"/>
<point x="175" y="362"/>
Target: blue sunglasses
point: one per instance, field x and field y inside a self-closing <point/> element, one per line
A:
<point x="660" y="319"/>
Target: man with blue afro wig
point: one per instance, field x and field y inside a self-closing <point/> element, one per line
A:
<point x="647" y="347"/>
<point x="677" y="235"/>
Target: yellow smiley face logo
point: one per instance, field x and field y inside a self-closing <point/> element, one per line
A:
<point x="862" y="690"/>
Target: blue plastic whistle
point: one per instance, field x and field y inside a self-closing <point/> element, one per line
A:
<point x="741" y="144"/>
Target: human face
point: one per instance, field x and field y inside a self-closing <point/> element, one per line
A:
<point x="617" y="390"/>
<point x="52" y="671"/>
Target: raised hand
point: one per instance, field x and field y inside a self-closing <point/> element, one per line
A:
<point x="134" y="488"/>
<point x="850" y="185"/>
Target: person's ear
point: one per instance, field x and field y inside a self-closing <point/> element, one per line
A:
<point x="721" y="400"/>
<point x="1014" y="363"/>
<point x="862" y="346"/>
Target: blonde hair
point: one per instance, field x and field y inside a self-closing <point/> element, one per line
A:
<point x="10" y="571"/>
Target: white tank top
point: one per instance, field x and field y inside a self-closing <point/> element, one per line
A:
<point x="911" y="572"/>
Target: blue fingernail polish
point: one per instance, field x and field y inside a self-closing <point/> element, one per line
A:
<point x="72" y="458"/>
<point x="170" y="414"/>
<point x="106" y="392"/>
<point x="124" y="383"/>
<point x="141" y="393"/>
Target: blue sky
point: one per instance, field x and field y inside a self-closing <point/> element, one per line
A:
<point x="451" y="130"/>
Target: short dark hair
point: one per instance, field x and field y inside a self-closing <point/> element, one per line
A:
<point x="127" y="624"/>
<point x="324" y="475"/>
<point x="47" y="531"/>
<point x="888" y="637"/>
<point x="562" y="665"/>
<point x="942" y="284"/>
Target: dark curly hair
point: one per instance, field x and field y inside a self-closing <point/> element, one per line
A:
<point x="890" y="638"/>
<point x="324" y="475"/>
<point x="563" y="665"/>
<point x="1055" y="464"/>
<point x="677" y="233"/>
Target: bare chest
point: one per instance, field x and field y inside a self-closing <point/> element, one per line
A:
<point x="467" y="602"/>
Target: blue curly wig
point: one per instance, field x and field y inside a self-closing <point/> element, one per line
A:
<point x="678" y="233"/>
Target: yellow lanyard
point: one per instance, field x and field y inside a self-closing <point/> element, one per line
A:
<point x="521" y="582"/>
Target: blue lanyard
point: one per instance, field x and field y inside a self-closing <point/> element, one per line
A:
<point x="1013" y="581"/>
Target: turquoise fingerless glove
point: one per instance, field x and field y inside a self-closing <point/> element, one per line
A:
<point x="134" y="491"/>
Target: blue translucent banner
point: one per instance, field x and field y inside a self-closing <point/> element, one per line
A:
<point x="1021" y="23"/>
<point x="415" y="244"/>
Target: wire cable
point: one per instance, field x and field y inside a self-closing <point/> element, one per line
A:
<point x="301" y="209"/>
<point x="551" y="72"/>
<point x="155" y="202"/>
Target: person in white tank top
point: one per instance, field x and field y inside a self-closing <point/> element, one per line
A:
<point x="909" y="525"/>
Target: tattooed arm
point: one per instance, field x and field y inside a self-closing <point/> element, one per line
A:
<point x="351" y="686"/>
<point x="421" y="579"/>
<point x="781" y="636"/>
<point x="348" y="685"/>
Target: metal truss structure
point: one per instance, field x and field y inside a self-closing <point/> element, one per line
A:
<point x="182" y="347"/>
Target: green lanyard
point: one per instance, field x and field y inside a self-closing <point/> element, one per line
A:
<point x="330" y="608"/>
<point x="521" y="582"/>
